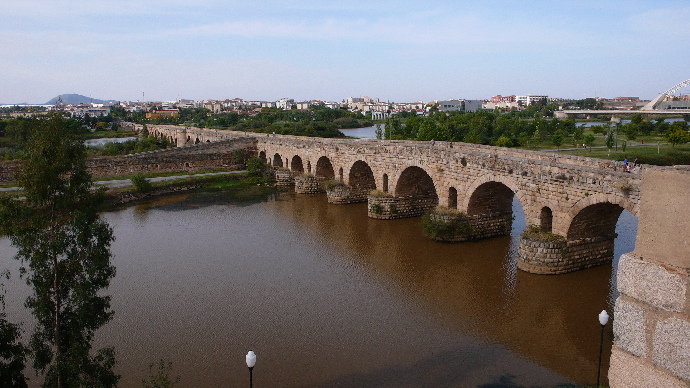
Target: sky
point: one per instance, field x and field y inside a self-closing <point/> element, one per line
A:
<point x="330" y="50"/>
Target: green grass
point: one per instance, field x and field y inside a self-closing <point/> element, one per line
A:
<point x="662" y="155"/>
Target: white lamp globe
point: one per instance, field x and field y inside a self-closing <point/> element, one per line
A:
<point x="603" y="317"/>
<point x="251" y="359"/>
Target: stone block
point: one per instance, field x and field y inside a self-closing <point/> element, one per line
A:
<point x="651" y="283"/>
<point x="629" y="328"/>
<point x="672" y="346"/>
<point x="662" y="234"/>
<point x="628" y="371"/>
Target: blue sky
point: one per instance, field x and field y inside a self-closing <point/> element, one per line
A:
<point x="396" y="51"/>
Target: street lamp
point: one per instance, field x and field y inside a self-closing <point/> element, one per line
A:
<point x="251" y="361"/>
<point x="603" y="320"/>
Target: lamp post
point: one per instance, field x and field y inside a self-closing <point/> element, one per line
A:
<point x="251" y="361"/>
<point x="603" y="320"/>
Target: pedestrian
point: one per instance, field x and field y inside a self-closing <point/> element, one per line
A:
<point x="433" y="142"/>
<point x="636" y="163"/>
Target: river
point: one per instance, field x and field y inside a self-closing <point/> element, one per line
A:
<point x="328" y="297"/>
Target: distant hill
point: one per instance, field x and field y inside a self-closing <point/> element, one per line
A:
<point x="76" y="99"/>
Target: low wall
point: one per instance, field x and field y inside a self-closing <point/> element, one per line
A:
<point x="188" y="159"/>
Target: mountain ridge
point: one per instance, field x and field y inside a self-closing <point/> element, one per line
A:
<point x="71" y="98"/>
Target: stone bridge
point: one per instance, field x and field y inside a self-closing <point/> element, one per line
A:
<point x="575" y="200"/>
<point x="578" y="200"/>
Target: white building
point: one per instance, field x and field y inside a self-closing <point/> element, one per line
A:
<point x="285" y="103"/>
<point x="530" y="99"/>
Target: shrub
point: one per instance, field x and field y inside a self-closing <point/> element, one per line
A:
<point x="256" y="166"/>
<point x="535" y="233"/>
<point x="380" y="194"/>
<point x="141" y="184"/>
<point x="331" y="184"/>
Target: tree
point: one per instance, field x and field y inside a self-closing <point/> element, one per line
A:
<point x="64" y="248"/>
<point x="503" y="141"/>
<point x="12" y="352"/>
<point x="677" y="136"/>
<point x="557" y="140"/>
<point x="589" y="140"/>
<point x="610" y="140"/>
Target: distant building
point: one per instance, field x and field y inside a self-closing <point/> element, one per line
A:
<point x="459" y="105"/>
<point x="285" y="103"/>
<point x="163" y="113"/>
<point x="530" y="99"/>
<point x="83" y="111"/>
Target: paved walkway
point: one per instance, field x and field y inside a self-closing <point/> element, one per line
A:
<point x="112" y="184"/>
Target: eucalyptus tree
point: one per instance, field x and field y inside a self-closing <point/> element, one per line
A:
<point x="64" y="248"/>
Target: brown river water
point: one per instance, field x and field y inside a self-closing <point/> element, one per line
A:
<point x="327" y="297"/>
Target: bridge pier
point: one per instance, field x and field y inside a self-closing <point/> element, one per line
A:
<point x="452" y="226"/>
<point x="284" y="178"/>
<point x="388" y="207"/>
<point x="308" y="184"/>
<point x="547" y="253"/>
<point x="339" y="193"/>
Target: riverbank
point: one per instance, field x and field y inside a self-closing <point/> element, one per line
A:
<point x="125" y="191"/>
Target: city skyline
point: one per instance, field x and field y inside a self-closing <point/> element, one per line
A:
<point x="396" y="52"/>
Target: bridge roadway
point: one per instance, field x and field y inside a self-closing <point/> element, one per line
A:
<point x="577" y="198"/>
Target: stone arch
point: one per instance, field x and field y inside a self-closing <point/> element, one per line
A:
<point x="361" y="178"/>
<point x="501" y="181"/>
<point x="277" y="160"/>
<point x="262" y="156"/>
<point x="452" y="198"/>
<point x="414" y="181"/>
<point x="562" y="224"/>
<point x="296" y="164"/>
<point x="385" y="183"/>
<point x="596" y="220"/>
<point x="324" y="168"/>
<point x="546" y="219"/>
<point x="309" y="167"/>
<point x="489" y="198"/>
<point x="340" y="173"/>
<point x="197" y="141"/>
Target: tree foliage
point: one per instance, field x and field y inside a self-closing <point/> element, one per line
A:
<point x="64" y="248"/>
<point x="12" y="351"/>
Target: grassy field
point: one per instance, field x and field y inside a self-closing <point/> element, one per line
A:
<point x="661" y="155"/>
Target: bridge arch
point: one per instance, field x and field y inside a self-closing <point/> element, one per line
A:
<point x="277" y="160"/>
<point x="507" y="188"/>
<point x="262" y="156"/>
<point x="609" y="206"/>
<point x="361" y="177"/>
<point x="296" y="164"/>
<point x="415" y="181"/>
<point x="452" y="198"/>
<point x="324" y="168"/>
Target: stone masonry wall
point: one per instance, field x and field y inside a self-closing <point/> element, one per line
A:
<point x="651" y="319"/>
<point x="549" y="258"/>
<point x="390" y="208"/>
<point x="201" y="157"/>
<point x="308" y="184"/>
